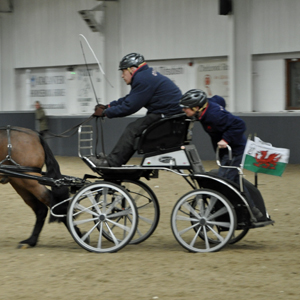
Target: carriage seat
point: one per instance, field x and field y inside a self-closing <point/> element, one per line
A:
<point x="165" y="134"/>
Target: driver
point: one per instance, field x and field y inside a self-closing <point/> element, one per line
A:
<point x="223" y="128"/>
<point x="149" y="89"/>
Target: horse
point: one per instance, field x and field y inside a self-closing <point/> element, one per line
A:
<point x="24" y="150"/>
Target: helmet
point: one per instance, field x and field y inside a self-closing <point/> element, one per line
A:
<point x="131" y="60"/>
<point x="193" y="98"/>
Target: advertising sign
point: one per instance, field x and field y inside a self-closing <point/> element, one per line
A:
<point x="212" y="77"/>
<point x="49" y="87"/>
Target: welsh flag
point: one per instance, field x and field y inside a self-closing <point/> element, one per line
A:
<point x="262" y="157"/>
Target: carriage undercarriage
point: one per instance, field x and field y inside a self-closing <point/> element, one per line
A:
<point x="113" y="207"/>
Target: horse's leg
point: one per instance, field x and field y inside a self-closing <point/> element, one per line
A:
<point x="38" y="197"/>
<point x="40" y="209"/>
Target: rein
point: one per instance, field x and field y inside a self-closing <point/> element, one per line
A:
<point x="74" y="128"/>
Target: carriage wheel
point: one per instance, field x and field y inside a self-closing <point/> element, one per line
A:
<point x="102" y="209"/>
<point x="147" y="206"/>
<point x="207" y="211"/>
<point x="238" y="235"/>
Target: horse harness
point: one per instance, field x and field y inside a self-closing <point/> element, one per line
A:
<point x="15" y="166"/>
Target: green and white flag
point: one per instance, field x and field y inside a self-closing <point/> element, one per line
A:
<point x="261" y="157"/>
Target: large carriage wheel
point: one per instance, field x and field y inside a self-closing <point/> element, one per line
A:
<point x="147" y="207"/>
<point x="238" y="235"/>
<point x="197" y="218"/>
<point x="100" y="210"/>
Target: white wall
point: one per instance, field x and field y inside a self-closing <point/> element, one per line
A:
<point x="173" y="28"/>
<point x="269" y="81"/>
<point x="42" y="33"/>
<point x="275" y="26"/>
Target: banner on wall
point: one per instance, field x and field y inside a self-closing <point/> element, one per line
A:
<point x="212" y="77"/>
<point x="85" y="93"/>
<point x="176" y="73"/>
<point x="49" y="87"/>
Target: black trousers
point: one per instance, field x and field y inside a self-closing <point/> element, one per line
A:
<point x="125" y="147"/>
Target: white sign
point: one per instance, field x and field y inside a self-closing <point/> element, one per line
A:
<point x="49" y="87"/>
<point x="212" y="77"/>
<point x="175" y="72"/>
<point x="86" y="97"/>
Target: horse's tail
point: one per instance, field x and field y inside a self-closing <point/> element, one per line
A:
<point x="53" y="171"/>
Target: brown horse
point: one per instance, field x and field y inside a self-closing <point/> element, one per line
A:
<point x="28" y="149"/>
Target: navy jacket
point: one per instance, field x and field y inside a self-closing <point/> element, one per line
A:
<point x="221" y="124"/>
<point x="151" y="90"/>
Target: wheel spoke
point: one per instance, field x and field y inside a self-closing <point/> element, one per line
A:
<point x="192" y="243"/>
<point x="121" y="213"/>
<point x="99" y="243"/>
<point x="200" y="204"/>
<point x="91" y="196"/>
<point x="220" y="238"/>
<point x="146" y="220"/>
<point x="187" y="229"/>
<point x="145" y="206"/>
<point x="210" y="206"/>
<point x="119" y="225"/>
<point x="117" y="200"/>
<point x="191" y="209"/>
<point x="112" y="235"/>
<point x="218" y="213"/>
<point x="83" y="209"/>
<point x="84" y="237"/>
<point x="79" y="222"/>
<point x="206" y="238"/>
<point x="184" y="218"/>
<point x="222" y="224"/>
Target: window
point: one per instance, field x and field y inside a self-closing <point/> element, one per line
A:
<point x="293" y="83"/>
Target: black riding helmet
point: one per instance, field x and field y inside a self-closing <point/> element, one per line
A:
<point x="193" y="98"/>
<point x="131" y="60"/>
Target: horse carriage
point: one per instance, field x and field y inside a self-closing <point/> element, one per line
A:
<point x="112" y="207"/>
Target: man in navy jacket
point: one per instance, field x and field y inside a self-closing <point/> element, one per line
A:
<point x="149" y="89"/>
<point x="223" y="128"/>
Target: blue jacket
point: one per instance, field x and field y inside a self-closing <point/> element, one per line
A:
<point x="151" y="90"/>
<point x="221" y="124"/>
<point x="218" y="99"/>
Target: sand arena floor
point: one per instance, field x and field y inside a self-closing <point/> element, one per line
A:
<point x="265" y="264"/>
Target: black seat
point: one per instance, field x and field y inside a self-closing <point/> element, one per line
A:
<point x="166" y="133"/>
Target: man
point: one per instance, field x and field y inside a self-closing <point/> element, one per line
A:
<point x="223" y="128"/>
<point x="149" y="89"/>
<point x="41" y="119"/>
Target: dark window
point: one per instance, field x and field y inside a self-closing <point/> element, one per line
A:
<point x="293" y="83"/>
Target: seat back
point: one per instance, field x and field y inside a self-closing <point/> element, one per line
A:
<point x="164" y="134"/>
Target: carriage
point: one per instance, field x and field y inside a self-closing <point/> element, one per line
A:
<point x="112" y="207"/>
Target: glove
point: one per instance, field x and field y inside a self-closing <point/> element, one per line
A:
<point x="101" y="106"/>
<point x="99" y="110"/>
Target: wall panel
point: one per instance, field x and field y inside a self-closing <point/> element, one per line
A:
<point x="48" y="33"/>
<point x="275" y="26"/>
<point x="173" y="28"/>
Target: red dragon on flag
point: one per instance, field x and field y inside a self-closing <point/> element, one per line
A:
<point x="263" y="160"/>
<point x="262" y="157"/>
